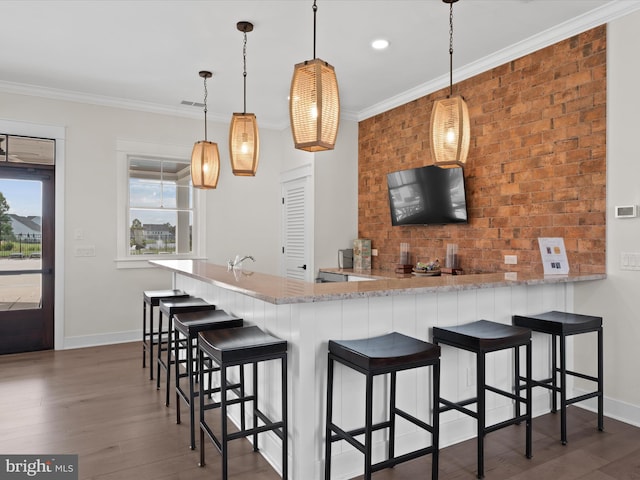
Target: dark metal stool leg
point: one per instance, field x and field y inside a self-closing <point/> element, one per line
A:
<point x="151" y="342"/>
<point x="159" y="359"/>
<point x="563" y="390"/>
<point x="600" y="380"/>
<point x="516" y="370"/>
<point x="176" y="349"/>
<point x="529" y="399"/>
<point x="223" y="410"/>
<point x="554" y="373"/>
<point x="255" y="402"/>
<point x="169" y="345"/>
<point x="190" y="373"/>
<point x="327" y="431"/>
<point x="201" y="402"/>
<point x="144" y="334"/>
<point x="368" y="418"/>
<point x="480" y="362"/>
<point x="392" y="416"/>
<point x="285" y="423"/>
<point x="435" y="436"/>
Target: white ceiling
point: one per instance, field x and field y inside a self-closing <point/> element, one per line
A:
<point x="146" y="54"/>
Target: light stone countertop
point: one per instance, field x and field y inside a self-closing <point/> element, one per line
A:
<point x="280" y="290"/>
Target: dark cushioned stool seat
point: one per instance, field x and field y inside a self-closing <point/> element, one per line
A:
<point x="560" y="325"/>
<point x="384" y="354"/>
<point x="482" y="337"/>
<point x="150" y="337"/>
<point x="169" y="308"/>
<point x="189" y="325"/>
<point x="237" y="347"/>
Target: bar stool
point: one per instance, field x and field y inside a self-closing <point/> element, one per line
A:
<point x="385" y="354"/>
<point x="560" y="325"/>
<point x="188" y="325"/>
<point x="150" y="336"/>
<point x="482" y="337"/>
<point x="240" y="346"/>
<point x="169" y="308"/>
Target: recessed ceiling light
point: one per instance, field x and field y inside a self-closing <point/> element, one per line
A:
<point x="380" y="44"/>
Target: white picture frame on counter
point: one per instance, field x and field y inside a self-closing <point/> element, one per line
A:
<point x="554" y="255"/>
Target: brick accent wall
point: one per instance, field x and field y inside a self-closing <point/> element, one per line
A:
<point x="536" y="165"/>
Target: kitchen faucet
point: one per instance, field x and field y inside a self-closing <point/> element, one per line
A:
<point x="237" y="263"/>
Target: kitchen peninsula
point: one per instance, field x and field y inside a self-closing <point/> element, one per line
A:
<point x="307" y="315"/>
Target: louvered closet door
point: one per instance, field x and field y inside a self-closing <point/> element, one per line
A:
<point x="295" y="223"/>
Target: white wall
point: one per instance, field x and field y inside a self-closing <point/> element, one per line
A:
<point x="243" y="213"/>
<point x="617" y="299"/>
<point x="336" y="197"/>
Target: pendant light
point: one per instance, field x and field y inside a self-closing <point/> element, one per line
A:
<point x="450" y="129"/>
<point x="314" y="102"/>
<point x="244" y="141"/>
<point x="205" y="159"/>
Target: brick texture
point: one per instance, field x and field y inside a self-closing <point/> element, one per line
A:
<point x="536" y="165"/>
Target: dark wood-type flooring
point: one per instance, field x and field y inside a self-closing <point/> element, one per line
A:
<point x="100" y="404"/>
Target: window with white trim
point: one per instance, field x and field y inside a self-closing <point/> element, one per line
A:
<point x="158" y="214"/>
<point x="160" y="206"/>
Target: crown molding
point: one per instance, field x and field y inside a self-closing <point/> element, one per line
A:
<point x="101" y="100"/>
<point x="113" y="102"/>
<point x="611" y="11"/>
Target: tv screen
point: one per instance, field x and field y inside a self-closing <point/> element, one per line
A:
<point x="427" y="195"/>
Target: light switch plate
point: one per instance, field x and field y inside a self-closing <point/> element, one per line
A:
<point x="630" y="261"/>
<point x="85" y="251"/>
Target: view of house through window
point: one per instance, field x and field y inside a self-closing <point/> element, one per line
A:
<point x="161" y="212"/>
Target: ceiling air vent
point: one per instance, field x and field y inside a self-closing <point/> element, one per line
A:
<point x="192" y="104"/>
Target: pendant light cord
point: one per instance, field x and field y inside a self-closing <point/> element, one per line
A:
<point x="451" y="49"/>
<point x="244" y="72"/>
<point x="205" y="108"/>
<point x="315" y="9"/>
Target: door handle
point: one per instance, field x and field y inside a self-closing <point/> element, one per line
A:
<point x="304" y="267"/>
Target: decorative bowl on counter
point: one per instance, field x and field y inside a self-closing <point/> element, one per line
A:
<point x="430" y="269"/>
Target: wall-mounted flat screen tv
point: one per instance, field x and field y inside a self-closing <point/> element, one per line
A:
<point x="427" y="195"/>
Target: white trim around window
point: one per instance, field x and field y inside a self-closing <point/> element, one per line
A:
<point x="126" y="149"/>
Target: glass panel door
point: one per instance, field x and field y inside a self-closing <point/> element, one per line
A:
<point x="27" y="209"/>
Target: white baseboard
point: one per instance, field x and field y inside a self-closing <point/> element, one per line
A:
<point x="616" y="409"/>
<point x="82" y="341"/>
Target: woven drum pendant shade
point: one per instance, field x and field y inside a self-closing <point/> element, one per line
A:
<point x="244" y="144"/>
<point x="450" y="131"/>
<point x="314" y="106"/>
<point x="205" y="165"/>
